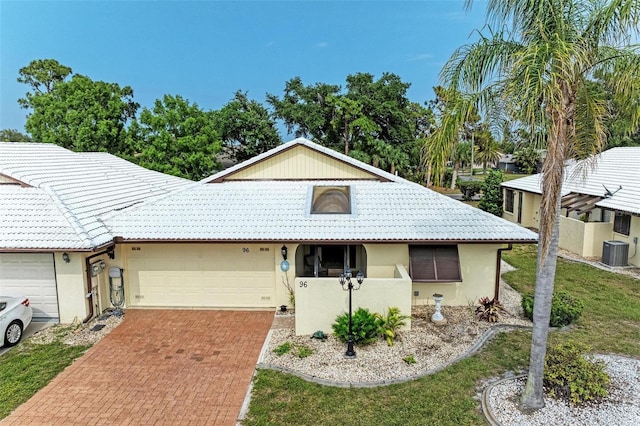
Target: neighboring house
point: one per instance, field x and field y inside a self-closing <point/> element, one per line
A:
<point x="600" y="214"/>
<point x="51" y="200"/>
<point x="508" y="164"/>
<point x="218" y="243"/>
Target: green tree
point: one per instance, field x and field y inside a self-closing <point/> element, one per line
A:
<point x="492" y="193"/>
<point x="41" y="75"/>
<point x="487" y="149"/>
<point x="371" y="120"/>
<point x="540" y="60"/>
<point x="454" y="125"/>
<point x="12" y="135"/>
<point x="246" y="128"/>
<point x="305" y="111"/>
<point x="81" y="114"/>
<point x="527" y="159"/>
<point x="177" y="138"/>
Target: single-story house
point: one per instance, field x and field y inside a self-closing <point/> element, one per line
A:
<point x="600" y="214"/>
<point x="221" y="242"/>
<point x="508" y="164"/>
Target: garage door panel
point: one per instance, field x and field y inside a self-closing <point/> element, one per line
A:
<point x="31" y="275"/>
<point x="206" y="277"/>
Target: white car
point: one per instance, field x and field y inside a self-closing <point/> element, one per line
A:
<point x="15" y="316"/>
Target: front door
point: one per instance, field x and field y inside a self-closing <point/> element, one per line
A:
<point x="520" y="207"/>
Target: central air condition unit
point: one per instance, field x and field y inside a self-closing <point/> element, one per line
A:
<point x="615" y="253"/>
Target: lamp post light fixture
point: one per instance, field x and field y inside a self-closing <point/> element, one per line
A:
<point x="284" y="251"/>
<point x="345" y="278"/>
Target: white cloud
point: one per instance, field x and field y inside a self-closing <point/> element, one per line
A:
<point x="322" y="45"/>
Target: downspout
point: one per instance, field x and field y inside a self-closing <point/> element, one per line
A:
<point x="498" y="262"/>
<point x="87" y="263"/>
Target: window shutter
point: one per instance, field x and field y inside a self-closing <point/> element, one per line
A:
<point x="422" y="266"/>
<point x="447" y="263"/>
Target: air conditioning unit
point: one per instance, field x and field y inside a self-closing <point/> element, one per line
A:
<point x="615" y="253"/>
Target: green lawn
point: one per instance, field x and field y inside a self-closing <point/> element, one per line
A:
<point x="610" y="323"/>
<point x="27" y="368"/>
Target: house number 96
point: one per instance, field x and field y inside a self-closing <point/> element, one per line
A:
<point x="303" y="283"/>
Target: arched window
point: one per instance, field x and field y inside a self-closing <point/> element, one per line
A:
<point x="331" y="200"/>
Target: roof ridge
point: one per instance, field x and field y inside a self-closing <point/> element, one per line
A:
<point x="69" y="216"/>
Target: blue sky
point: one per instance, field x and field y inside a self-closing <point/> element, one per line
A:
<point x="206" y="50"/>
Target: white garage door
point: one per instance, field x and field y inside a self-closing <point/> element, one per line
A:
<point x="32" y="275"/>
<point x="228" y="276"/>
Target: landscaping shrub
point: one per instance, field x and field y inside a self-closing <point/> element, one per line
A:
<point x="489" y="309"/>
<point x="469" y="188"/>
<point x="565" y="309"/>
<point x="391" y="323"/>
<point x="570" y="376"/>
<point x="365" y="327"/>
<point x="492" y="199"/>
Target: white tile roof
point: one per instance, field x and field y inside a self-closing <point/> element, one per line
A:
<point x="616" y="170"/>
<point x="279" y="211"/>
<point x="30" y="219"/>
<point x="83" y="186"/>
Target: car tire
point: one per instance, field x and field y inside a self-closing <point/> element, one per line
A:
<point x="13" y="333"/>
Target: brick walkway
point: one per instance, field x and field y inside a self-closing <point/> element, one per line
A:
<point x="157" y="367"/>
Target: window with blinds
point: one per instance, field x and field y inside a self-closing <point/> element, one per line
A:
<point x="434" y="263"/>
<point x="622" y="223"/>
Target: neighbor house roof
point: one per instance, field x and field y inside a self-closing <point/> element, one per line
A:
<point x="613" y="175"/>
<point x="387" y="209"/>
<point x="80" y="187"/>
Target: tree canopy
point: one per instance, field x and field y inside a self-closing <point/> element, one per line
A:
<point x="12" y="135"/>
<point x="178" y="138"/>
<point x="246" y="128"/>
<point x="372" y="120"/>
<point x="78" y="113"/>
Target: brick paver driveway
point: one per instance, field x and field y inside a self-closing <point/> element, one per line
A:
<point x="157" y="367"/>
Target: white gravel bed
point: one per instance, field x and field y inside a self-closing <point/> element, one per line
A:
<point x="430" y="346"/>
<point x="620" y="408"/>
<point x="78" y="334"/>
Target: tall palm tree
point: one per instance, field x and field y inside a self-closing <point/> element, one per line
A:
<point x="538" y="59"/>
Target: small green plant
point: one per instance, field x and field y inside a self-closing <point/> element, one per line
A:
<point x="409" y="359"/>
<point x="283" y="349"/>
<point x="489" y="309"/>
<point x="565" y="309"/>
<point x="303" y="351"/>
<point x="570" y="376"/>
<point x="391" y="323"/>
<point x="365" y="327"/>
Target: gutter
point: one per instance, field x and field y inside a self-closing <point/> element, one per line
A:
<point x="87" y="265"/>
<point x="498" y="273"/>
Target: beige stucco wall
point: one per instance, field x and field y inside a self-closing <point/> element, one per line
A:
<point x="320" y="300"/>
<point x="382" y="258"/>
<point x="300" y="163"/>
<point x="530" y="209"/>
<point x="70" y="279"/>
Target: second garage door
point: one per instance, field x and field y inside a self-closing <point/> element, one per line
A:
<point x="199" y="275"/>
<point x="31" y="275"/>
